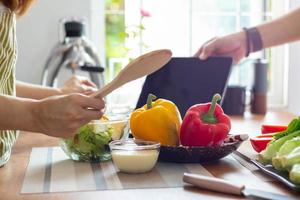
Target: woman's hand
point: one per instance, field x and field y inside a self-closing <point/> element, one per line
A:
<point x="61" y="116"/>
<point x="78" y="84"/>
<point x="233" y="45"/>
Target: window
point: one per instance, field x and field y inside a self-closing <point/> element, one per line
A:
<point x="183" y="26"/>
<point x="115" y="34"/>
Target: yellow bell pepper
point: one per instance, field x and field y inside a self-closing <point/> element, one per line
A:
<point x="157" y="121"/>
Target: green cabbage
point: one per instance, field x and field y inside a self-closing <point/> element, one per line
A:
<point x="90" y="142"/>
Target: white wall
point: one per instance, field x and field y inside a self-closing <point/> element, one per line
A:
<point x="294" y="71"/>
<point x="38" y="32"/>
<point x="294" y="79"/>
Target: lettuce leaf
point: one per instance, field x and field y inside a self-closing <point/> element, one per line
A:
<point x="90" y="140"/>
<point x="293" y="126"/>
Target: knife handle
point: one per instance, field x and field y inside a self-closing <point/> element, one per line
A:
<point x="212" y="183"/>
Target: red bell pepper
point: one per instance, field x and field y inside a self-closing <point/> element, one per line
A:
<point x="260" y="143"/>
<point x="205" y="125"/>
<point x="272" y="128"/>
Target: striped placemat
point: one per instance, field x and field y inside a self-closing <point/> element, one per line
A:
<point x="50" y="170"/>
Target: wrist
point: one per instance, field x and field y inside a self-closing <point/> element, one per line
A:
<point x="20" y="115"/>
<point x="59" y="91"/>
<point x="34" y="115"/>
<point x="64" y="90"/>
<point x="253" y="40"/>
<point x="244" y="42"/>
<point x="16" y="114"/>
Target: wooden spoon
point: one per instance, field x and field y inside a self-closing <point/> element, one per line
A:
<point x="139" y="67"/>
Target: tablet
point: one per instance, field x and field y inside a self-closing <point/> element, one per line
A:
<point x="188" y="81"/>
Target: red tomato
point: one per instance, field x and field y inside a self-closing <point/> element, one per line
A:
<point x="272" y="128"/>
<point x="260" y="143"/>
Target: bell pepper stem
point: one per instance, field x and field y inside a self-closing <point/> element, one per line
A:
<point x="150" y="99"/>
<point x="209" y="117"/>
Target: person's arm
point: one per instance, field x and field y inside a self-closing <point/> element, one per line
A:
<point x="279" y="31"/>
<point x="76" y="84"/>
<point x="31" y="91"/>
<point x="58" y="116"/>
<point x="282" y="30"/>
<point x="15" y="113"/>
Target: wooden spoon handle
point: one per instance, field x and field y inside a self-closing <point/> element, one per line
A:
<point x="105" y="90"/>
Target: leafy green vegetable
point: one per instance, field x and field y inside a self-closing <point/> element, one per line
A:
<point x="90" y="141"/>
<point x="273" y="147"/>
<point x="292" y="158"/>
<point x="294" y="174"/>
<point x="293" y="126"/>
<point x="284" y="150"/>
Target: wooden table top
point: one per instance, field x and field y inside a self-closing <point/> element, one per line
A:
<point x="12" y="174"/>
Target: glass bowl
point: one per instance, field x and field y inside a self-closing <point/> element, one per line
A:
<point x="134" y="156"/>
<point x="91" y="141"/>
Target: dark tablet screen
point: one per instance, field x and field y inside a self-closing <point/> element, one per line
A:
<point x="188" y="81"/>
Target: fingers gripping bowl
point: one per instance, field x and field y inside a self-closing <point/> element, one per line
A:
<point x="91" y="141"/>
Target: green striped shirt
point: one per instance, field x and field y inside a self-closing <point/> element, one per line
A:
<point x="8" y="57"/>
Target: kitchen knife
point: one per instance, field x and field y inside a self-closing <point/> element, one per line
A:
<point x="220" y="185"/>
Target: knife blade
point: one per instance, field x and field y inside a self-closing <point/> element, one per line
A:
<point x="220" y="185"/>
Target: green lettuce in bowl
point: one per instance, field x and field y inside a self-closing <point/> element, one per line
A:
<point x="91" y="141"/>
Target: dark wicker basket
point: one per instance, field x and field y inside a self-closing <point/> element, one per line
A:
<point x="184" y="154"/>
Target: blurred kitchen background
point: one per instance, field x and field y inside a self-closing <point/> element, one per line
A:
<point x="121" y="30"/>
